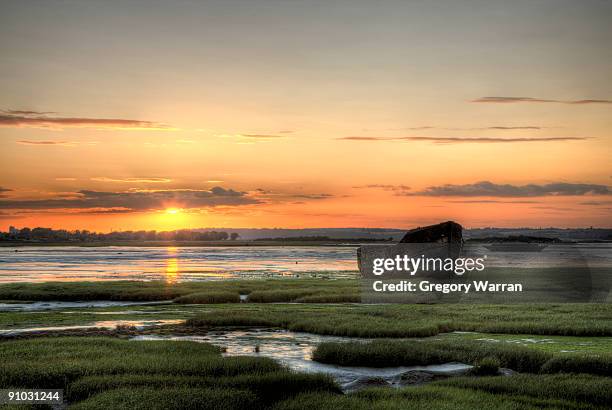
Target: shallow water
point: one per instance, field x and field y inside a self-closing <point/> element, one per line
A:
<point x="103" y="324"/>
<point x="177" y="264"/>
<point x="173" y="264"/>
<point x="56" y="305"/>
<point x="294" y="350"/>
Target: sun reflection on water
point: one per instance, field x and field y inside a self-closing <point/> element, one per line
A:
<point x="172" y="265"/>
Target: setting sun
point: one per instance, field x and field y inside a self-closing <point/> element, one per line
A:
<point x="173" y="211"/>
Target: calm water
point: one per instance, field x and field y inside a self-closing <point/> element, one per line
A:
<point x="175" y="264"/>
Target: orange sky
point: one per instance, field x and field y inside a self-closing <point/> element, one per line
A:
<point x="283" y="115"/>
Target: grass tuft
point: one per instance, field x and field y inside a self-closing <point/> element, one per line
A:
<point x="209" y="297"/>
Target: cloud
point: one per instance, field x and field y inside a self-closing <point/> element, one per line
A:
<point x="3" y="190"/>
<point x="489" y="189"/>
<point x="262" y="136"/>
<point x="312" y="196"/>
<point x="554" y="208"/>
<point x="26" y="112"/>
<point x="105" y="211"/>
<point x="151" y="180"/>
<point x="494" y="127"/>
<point x="596" y="203"/>
<point x="19" y="118"/>
<point x="385" y="187"/>
<point x="491" y="201"/>
<point x="289" y="196"/>
<point x="513" y="100"/>
<point x="65" y="179"/>
<point x="9" y="216"/>
<point x="138" y="200"/>
<point x="366" y="139"/>
<point x="43" y="143"/>
<point x="466" y="140"/>
<point x="524" y="127"/>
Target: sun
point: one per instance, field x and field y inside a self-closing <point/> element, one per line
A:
<point x="173" y="211"/>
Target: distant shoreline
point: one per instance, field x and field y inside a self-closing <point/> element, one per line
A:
<point x="237" y="243"/>
<point x="229" y="244"/>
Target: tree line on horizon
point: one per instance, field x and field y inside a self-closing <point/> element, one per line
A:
<point x="62" y="235"/>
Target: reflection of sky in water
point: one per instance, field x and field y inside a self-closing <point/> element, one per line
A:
<point x="177" y="264"/>
<point x="294" y="350"/>
<point x="172" y="264"/>
<point x="103" y="324"/>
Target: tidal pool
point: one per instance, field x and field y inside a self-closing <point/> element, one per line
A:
<point x="104" y="324"/>
<point x="294" y="350"/>
<point x="56" y="305"/>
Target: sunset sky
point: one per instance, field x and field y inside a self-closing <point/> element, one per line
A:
<point x="118" y="115"/>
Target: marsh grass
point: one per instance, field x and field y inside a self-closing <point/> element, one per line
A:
<point x="273" y="290"/>
<point x="385" y="353"/>
<point x="600" y="364"/>
<point x="330" y="298"/>
<point x="268" y="387"/>
<point x="343" y="320"/>
<point x="574" y="387"/>
<point x="279" y="295"/>
<point x="146" y="398"/>
<point x="487" y="357"/>
<point x="209" y="297"/>
<point x="393" y="321"/>
<point x="119" y="373"/>
<point x="425" y="397"/>
<point x="488" y="366"/>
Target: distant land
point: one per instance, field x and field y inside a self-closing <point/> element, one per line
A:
<point x="280" y="236"/>
<point x="565" y="234"/>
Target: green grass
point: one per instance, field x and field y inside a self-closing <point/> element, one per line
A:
<point x="209" y="297"/>
<point x="269" y="387"/>
<point x="99" y="372"/>
<point x="425" y="397"/>
<point x="330" y="298"/>
<point x="111" y="373"/>
<point x="160" y="290"/>
<point x="547" y="343"/>
<point x="146" y="398"/>
<point x="572" y="387"/>
<point x="344" y="320"/>
<point x="379" y="321"/>
<point x="487" y="366"/>
<point x="386" y="353"/>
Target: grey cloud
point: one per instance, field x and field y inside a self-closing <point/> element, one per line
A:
<point x="60" y="143"/>
<point x="132" y="180"/>
<point x="494" y="127"/>
<point x="26" y="112"/>
<point x="596" y="203"/>
<point x="2" y="190"/>
<point x="312" y="196"/>
<point x="385" y="187"/>
<point x="466" y="140"/>
<point x="491" y="201"/>
<point x="20" y="118"/>
<point x="138" y="200"/>
<point x="267" y="194"/>
<point x="489" y="189"/>
<point x="511" y="100"/>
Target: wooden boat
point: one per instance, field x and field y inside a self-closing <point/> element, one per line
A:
<point x="444" y="240"/>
